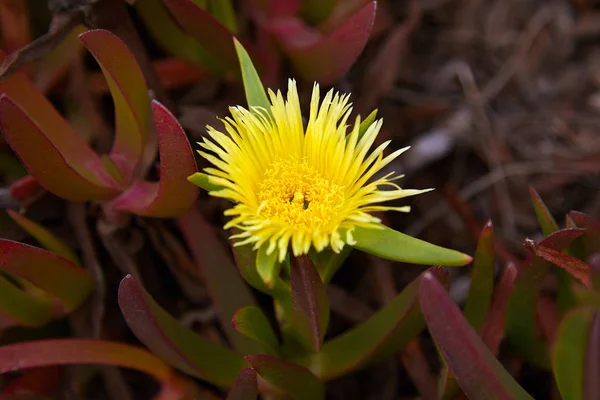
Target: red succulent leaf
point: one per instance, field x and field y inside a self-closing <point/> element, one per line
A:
<point x="25" y="190"/>
<point x="479" y="374"/>
<point x="324" y="57"/>
<point x="572" y="265"/>
<point x="67" y="282"/>
<point x="173" y="194"/>
<point x="89" y="351"/>
<point x="130" y="95"/>
<point x="561" y="239"/>
<point x="310" y="304"/>
<point x="245" y="386"/>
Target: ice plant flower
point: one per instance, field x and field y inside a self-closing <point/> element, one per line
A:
<point x="295" y="186"/>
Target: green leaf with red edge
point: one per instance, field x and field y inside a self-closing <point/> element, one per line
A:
<point x="479" y="374"/>
<point x="44" y="236"/>
<point x="569" y="352"/>
<point x="521" y="317"/>
<point x="42" y="138"/>
<point x="325" y="58"/>
<point x="56" y="165"/>
<point x="166" y="337"/>
<point x="224" y="283"/>
<point x="53" y="274"/>
<point x="206" y="29"/>
<point x="23" y="308"/>
<point x="90" y="351"/>
<point x="245" y="386"/>
<point x="479" y="298"/>
<point x="310" y="304"/>
<point x="383" y="334"/>
<point x="130" y="96"/>
<point x="173" y="194"/>
<point x="252" y="322"/>
<point x="292" y="379"/>
<point x="396" y="246"/>
<point x="169" y="35"/>
<point x="545" y="219"/>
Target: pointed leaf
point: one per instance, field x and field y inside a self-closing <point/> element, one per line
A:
<point x="206" y="29"/>
<point x="479" y="374"/>
<point x="252" y="322"/>
<point x="225" y="285"/>
<point x="57" y="165"/>
<point x="292" y="379"/>
<point x="25" y="309"/>
<point x="521" y="327"/>
<point x="393" y="245"/>
<point x="592" y="227"/>
<point x="173" y="194"/>
<point x="44" y="236"/>
<point x="545" y="219"/>
<point x="53" y="274"/>
<point x="325" y="58"/>
<point x="166" y="337"/>
<point x="202" y="180"/>
<point x="130" y="96"/>
<point x="383" y="334"/>
<point x="255" y="91"/>
<point x="362" y="129"/>
<point x="171" y="37"/>
<point x="569" y="352"/>
<point x="572" y="265"/>
<point x="479" y="299"/>
<point x="310" y="304"/>
<point x="245" y="386"/>
<point x="224" y="13"/>
<point x="89" y="351"/>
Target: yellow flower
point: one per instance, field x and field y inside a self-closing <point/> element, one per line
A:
<point x="300" y="187"/>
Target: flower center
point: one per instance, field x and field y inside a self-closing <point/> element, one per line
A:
<point x="294" y="193"/>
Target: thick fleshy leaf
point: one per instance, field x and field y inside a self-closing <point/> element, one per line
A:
<point x="44" y="236"/>
<point x="592" y="226"/>
<point x="169" y="35"/>
<point x="383" y="334"/>
<point x="364" y="125"/>
<point x="224" y="13"/>
<point x="591" y="384"/>
<point x="89" y="351"/>
<point x="173" y="194"/>
<point x="202" y="180"/>
<point x="521" y="317"/>
<point x="325" y="58"/>
<point x="396" y="246"/>
<point x="130" y="96"/>
<point x="225" y="285"/>
<point x="572" y="265"/>
<point x="310" y="304"/>
<point x="545" y="219"/>
<point x="328" y="262"/>
<point x="292" y="379"/>
<point x="255" y="91"/>
<point x="245" y="386"/>
<point x="479" y="374"/>
<point x="267" y="266"/>
<point x="479" y="299"/>
<point x="23" y="308"/>
<point x="47" y="154"/>
<point x="166" y="337"/>
<point x="569" y="352"/>
<point x="206" y="29"/>
<point x="67" y="282"/>
<point x="252" y="322"/>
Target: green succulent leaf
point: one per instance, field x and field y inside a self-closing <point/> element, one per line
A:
<point x="256" y="96"/>
<point x="396" y="246"/>
<point x="252" y="322"/>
